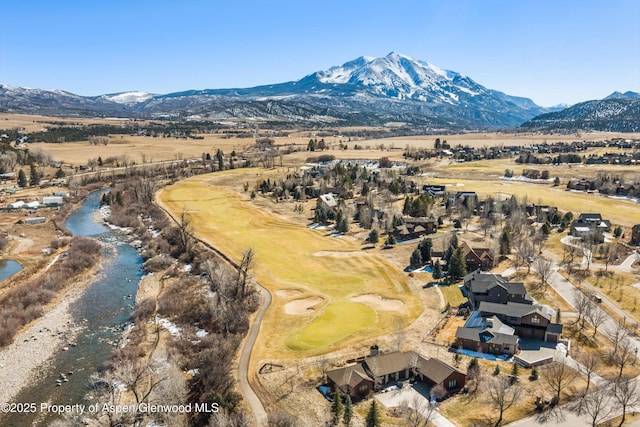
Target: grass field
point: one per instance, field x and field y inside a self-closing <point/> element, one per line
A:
<point x="294" y="258"/>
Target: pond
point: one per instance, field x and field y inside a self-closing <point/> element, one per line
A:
<point x="8" y="268"/>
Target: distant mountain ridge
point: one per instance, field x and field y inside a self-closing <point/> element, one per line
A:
<point x="618" y="112"/>
<point x="367" y="90"/>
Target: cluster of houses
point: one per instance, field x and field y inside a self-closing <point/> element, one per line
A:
<point x="502" y="315"/>
<point x="47" y="201"/>
<point x="380" y="370"/>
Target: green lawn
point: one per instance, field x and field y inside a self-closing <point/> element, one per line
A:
<point x="337" y="322"/>
<point x="292" y="256"/>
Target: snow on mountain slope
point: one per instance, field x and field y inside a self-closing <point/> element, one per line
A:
<point x="128" y="98"/>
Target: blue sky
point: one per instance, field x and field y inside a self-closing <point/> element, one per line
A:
<point x="552" y="51"/>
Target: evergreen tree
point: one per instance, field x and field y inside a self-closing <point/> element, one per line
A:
<point x="337" y="407"/>
<point x="390" y="241"/>
<point x="22" y="179"/>
<point x="60" y="173"/>
<point x="34" y="176"/>
<point x="220" y="159"/>
<point x="425" y="247"/>
<point x="454" y="241"/>
<point x="348" y="411"/>
<point x="373" y="237"/>
<point x="458" y="267"/>
<point x="505" y="242"/>
<point x="416" y="259"/>
<point x="545" y="229"/>
<point x="373" y="416"/>
<point x="437" y="271"/>
<point x="320" y="215"/>
<point x="365" y="189"/>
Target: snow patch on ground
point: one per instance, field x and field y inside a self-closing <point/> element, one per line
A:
<point x="169" y="326"/>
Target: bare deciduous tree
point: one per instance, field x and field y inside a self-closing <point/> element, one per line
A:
<point x="626" y="392"/>
<point x="596" y="317"/>
<point x="544" y="268"/>
<point x="582" y="304"/>
<point x="597" y="406"/>
<point x="417" y="412"/>
<point x="589" y="362"/>
<point x="525" y="251"/>
<point x="625" y="355"/>
<point x="616" y="334"/>
<point x="558" y="376"/>
<point x="502" y="395"/>
<point x="246" y="264"/>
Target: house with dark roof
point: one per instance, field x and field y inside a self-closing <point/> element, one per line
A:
<point x="435" y="191"/>
<point x="414" y="228"/>
<point x="588" y="224"/>
<point x="487" y="335"/>
<point x="478" y="258"/>
<point x="380" y="370"/>
<point x="352" y="380"/>
<point x="493" y="288"/>
<point x="528" y="320"/>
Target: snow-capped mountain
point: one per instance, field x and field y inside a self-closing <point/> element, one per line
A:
<point x="615" y="113"/>
<point x="128" y="98"/>
<point x="367" y="90"/>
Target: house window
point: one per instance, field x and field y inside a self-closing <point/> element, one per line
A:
<point x="363" y="389"/>
<point x="452" y="383"/>
<point x="535" y="319"/>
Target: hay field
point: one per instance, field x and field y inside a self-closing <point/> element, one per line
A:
<point x="140" y="149"/>
<point x="296" y="262"/>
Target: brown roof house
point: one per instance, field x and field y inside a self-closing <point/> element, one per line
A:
<point x="380" y="370"/>
<point x="414" y="228"/>
<point x="478" y="258"/>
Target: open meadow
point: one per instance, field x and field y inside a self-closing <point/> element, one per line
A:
<point x="327" y="291"/>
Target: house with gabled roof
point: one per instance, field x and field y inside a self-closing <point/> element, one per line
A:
<point x="588" y="224"/>
<point x="478" y="258"/>
<point x="528" y="320"/>
<point x="487" y="335"/>
<point x="377" y="371"/>
<point x="493" y="288"/>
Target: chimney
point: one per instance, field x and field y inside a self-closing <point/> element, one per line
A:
<point x="373" y="350"/>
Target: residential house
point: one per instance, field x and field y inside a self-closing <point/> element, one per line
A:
<point x="351" y="380"/>
<point x="414" y="228"/>
<point x="541" y="213"/>
<point x="435" y="191"/>
<point x="380" y="370"/>
<point x="478" y="258"/>
<point x="328" y="201"/>
<point x="493" y="288"/>
<point x="589" y="224"/>
<point x="487" y="335"/>
<point x="528" y="320"/>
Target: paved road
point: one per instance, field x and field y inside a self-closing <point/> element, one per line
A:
<point x="249" y="395"/>
<point x="412" y="397"/>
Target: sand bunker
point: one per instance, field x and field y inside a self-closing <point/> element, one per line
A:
<point x="379" y="303"/>
<point x="338" y="254"/>
<point x="288" y="293"/>
<point x="302" y="306"/>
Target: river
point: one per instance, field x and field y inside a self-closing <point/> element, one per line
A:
<point x="103" y="311"/>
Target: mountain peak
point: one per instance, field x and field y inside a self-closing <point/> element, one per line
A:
<point x="627" y="95"/>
